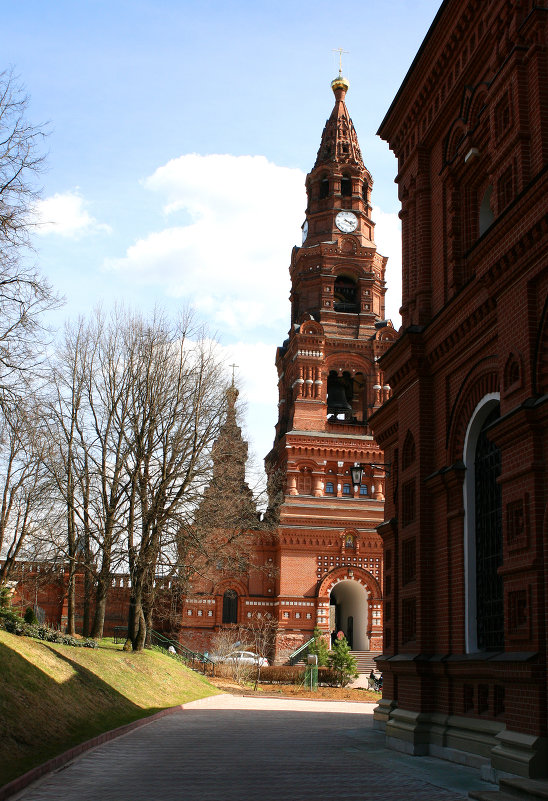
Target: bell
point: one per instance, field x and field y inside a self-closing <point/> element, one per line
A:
<point x="337" y="402"/>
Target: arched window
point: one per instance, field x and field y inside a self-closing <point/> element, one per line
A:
<point x="339" y="396"/>
<point x="329" y="488"/>
<point x="483" y="531"/>
<point x="364" y="191"/>
<point x="408" y="451"/>
<point x="230" y="607"/>
<point x="486" y="216"/>
<point x="346" y="186"/>
<point x="304" y="482"/>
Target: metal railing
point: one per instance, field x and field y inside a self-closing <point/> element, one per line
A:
<point x="120" y="634"/>
<point x="300" y="653"/>
<point x="192" y="659"/>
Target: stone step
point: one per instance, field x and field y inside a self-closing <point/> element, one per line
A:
<point x="515" y="789"/>
<point x="365" y="660"/>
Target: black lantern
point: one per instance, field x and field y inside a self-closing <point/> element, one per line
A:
<point x="356" y="472"/>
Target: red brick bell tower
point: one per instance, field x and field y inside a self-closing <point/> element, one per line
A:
<point x="329" y="553"/>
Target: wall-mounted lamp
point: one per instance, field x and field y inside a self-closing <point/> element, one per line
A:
<point x="357" y="472"/>
<point x="385" y="467"/>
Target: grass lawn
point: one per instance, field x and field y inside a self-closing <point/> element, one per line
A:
<point x="53" y="697"/>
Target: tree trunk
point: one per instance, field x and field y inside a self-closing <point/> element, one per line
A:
<point x="136" y="626"/>
<point x="71" y="600"/>
<point x="101" y="595"/>
<point x="88" y="588"/>
<point x="71" y="589"/>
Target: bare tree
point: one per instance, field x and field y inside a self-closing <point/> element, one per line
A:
<point x="22" y="498"/>
<point x="63" y="457"/>
<point x="260" y="634"/>
<point x="176" y="409"/>
<point x="24" y="294"/>
<point x="90" y="452"/>
<point x="108" y="398"/>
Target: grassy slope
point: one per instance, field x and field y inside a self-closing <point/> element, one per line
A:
<point x="55" y="696"/>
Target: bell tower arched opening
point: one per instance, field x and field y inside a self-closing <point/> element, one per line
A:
<point x="349" y="601"/>
<point x="346" y="186"/>
<point x="345" y="295"/>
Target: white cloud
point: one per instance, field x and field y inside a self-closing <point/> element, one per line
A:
<point x="256" y="377"/>
<point x="388" y="240"/>
<point x="65" y="214"/>
<point x="230" y="252"/>
<point x="231" y="222"/>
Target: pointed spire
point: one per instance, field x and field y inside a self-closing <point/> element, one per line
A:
<point x="339" y="140"/>
<point x="227" y="500"/>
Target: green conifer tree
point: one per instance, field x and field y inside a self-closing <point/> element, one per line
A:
<point x="341" y="660"/>
<point x="320" y="648"/>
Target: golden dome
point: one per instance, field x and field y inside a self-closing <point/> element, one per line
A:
<point x="340" y="83"/>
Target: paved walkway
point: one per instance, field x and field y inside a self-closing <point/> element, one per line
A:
<point x="229" y="748"/>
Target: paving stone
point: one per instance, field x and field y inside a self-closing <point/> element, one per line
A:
<point x="229" y="748"/>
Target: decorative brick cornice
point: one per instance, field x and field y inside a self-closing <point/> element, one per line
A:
<point x="462" y="333"/>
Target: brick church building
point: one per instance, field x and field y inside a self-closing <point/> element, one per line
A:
<point x="466" y="523"/>
<point x="322" y="566"/>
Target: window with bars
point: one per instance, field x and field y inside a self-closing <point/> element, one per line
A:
<point x="408" y="502"/>
<point x="230" y="607"/>
<point x="408" y="561"/>
<point x="488" y="514"/>
<point x="409" y="619"/>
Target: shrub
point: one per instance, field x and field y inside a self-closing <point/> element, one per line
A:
<point x="14" y="624"/>
<point x="295" y="674"/>
<point x="328" y="676"/>
<point x="30" y="617"/>
<point x="282" y="674"/>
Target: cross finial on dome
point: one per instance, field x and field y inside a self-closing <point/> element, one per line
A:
<point x="340" y="51"/>
<point x="233" y="369"/>
<point x="340" y="84"/>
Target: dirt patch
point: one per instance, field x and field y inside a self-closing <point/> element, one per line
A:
<point x="298" y="691"/>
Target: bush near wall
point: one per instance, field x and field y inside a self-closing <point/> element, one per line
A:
<point x="294" y="674"/>
<point x="14" y="624"/>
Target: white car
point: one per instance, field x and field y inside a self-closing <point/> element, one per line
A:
<point x="245" y="658"/>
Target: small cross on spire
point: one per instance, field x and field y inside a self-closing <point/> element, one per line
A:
<point x="340" y="51"/>
<point x="233" y="368"/>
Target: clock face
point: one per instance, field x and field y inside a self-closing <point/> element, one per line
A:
<point x="346" y="221"/>
<point x="305" y="230"/>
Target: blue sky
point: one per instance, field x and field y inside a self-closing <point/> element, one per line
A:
<point x="180" y="136"/>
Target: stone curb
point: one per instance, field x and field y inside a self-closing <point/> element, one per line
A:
<point x="16" y="785"/>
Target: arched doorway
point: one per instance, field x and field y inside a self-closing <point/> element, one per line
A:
<point x="349" y="612"/>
